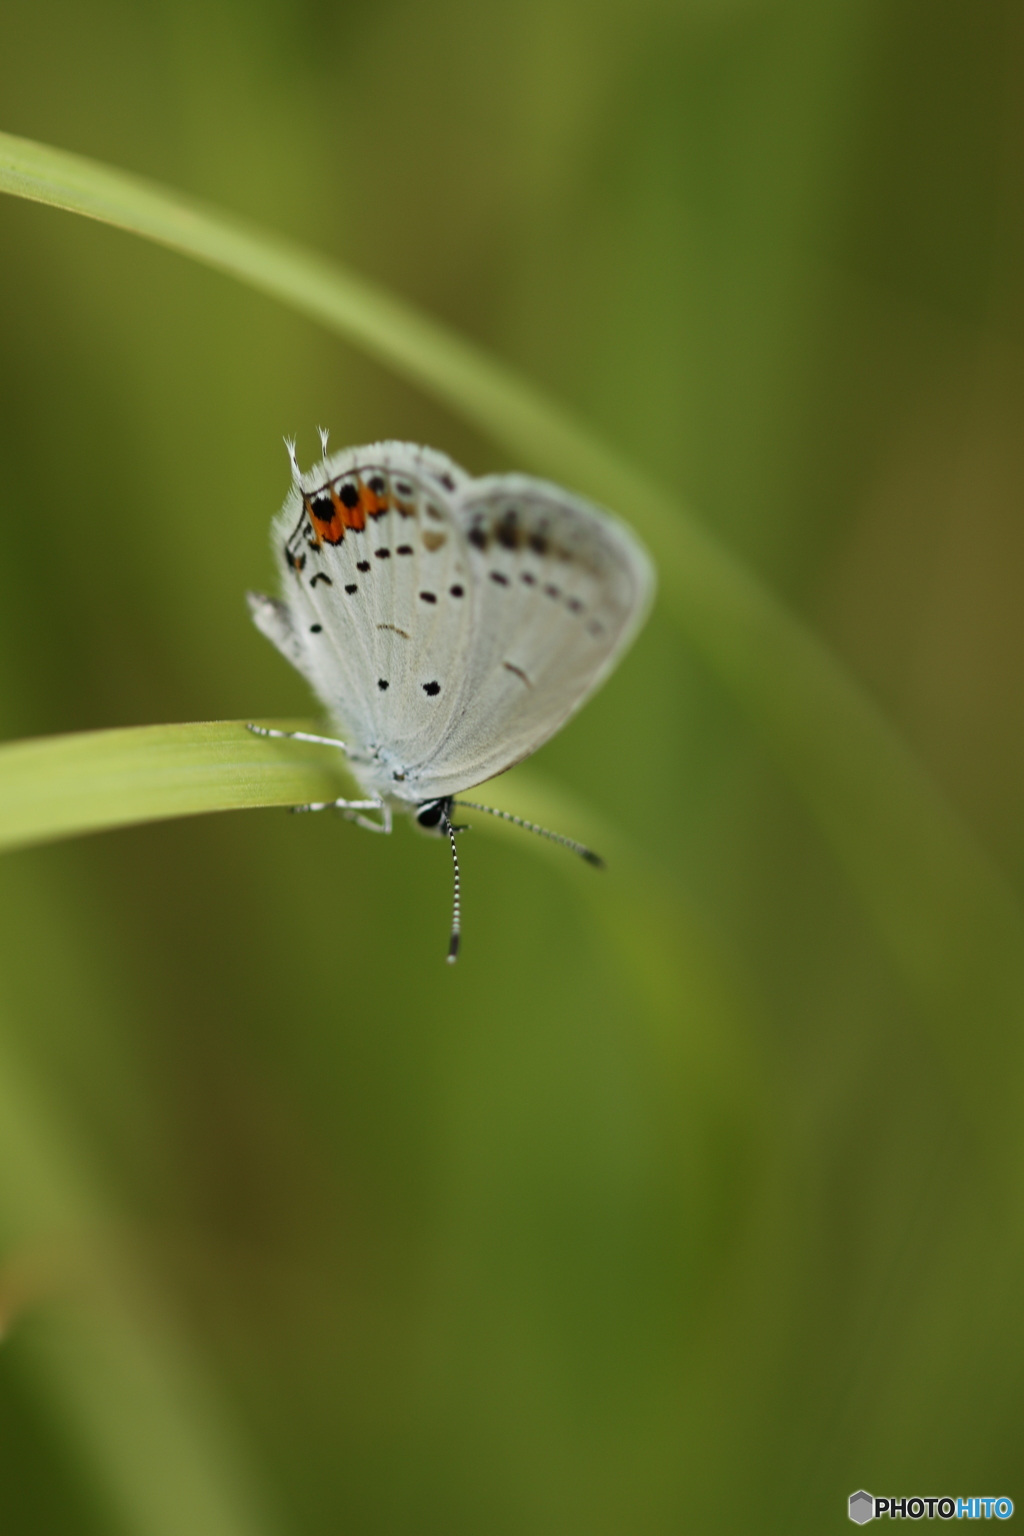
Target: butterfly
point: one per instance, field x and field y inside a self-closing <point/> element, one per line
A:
<point x="449" y="625"/>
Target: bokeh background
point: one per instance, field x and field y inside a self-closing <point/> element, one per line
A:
<point x="303" y="1231"/>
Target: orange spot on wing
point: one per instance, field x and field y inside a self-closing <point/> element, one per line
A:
<point x="371" y="504"/>
<point x="353" y="517"/>
<point x="330" y="529"/>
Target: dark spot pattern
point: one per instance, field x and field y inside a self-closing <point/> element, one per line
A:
<point x="508" y="531"/>
<point x="428" y="597"/>
<point x="321" y="576"/>
<point x="446" y="481"/>
<point x="403" y="488"/>
<point x="349" y="496"/>
<point x="552" y="592"/>
<point x="404" y="549"/>
<point x="382" y="684"/>
<point x="539" y="544"/>
<point x="378" y="485"/>
<point x="362" y="565"/>
<point x="431" y="689"/>
<point x="315" y="629"/>
<point x="528" y="578"/>
<point x="500" y="578"/>
<point x="456" y="591"/>
<point x="478" y="536"/>
<point x="351" y="588"/>
<point x="574" y="605"/>
<point x="383" y="554"/>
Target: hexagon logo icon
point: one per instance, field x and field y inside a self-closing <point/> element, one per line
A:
<point x="862" y="1508"/>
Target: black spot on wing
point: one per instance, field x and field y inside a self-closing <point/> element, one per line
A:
<point x="432" y="689"/>
<point x="508" y="531"/>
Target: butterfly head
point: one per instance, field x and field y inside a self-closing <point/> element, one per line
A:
<point x="435" y="815"/>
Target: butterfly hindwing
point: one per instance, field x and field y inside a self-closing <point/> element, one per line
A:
<point x="559" y="590"/>
<point x="370" y="558"/>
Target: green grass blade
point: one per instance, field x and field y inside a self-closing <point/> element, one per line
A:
<point x="59" y="786"/>
<point x="948" y="918"/>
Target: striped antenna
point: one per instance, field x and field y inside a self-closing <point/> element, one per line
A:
<point x="453" y="942"/>
<point x="531" y="826"/>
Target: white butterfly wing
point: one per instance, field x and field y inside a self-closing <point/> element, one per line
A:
<point x="377" y="600"/>
<point x="450" y="625"/>
<point x="559" y="590"/>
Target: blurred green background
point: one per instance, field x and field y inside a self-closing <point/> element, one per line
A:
<point x="665" y="1210"/>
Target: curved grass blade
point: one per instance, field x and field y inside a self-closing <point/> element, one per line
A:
<point x="60" y="786"/>
<point x="948" y="918"/>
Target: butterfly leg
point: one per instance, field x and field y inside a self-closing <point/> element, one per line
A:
<point x="348" y="809"/>
<point x="351" y="809"/>
<point x="318" y="741"/>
